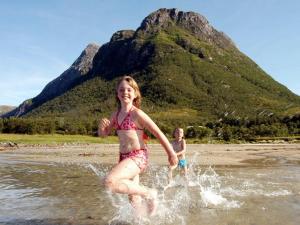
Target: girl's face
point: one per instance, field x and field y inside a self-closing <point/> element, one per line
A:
<point x="126" y="93"/>
<point x="179" y="133"/>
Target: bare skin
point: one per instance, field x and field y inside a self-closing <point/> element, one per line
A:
<point x="124" y="177"/>
<point x="179" y="145"/>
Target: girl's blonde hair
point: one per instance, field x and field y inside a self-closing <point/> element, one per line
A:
<point x="132" y="83"/>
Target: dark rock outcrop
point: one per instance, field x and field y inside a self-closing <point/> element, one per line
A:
<point x="194" y="22"/>
<point x="123" y="54"/>
<point x="122" y="35"/>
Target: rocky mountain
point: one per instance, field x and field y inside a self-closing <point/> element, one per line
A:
<point x="62" y="83"/>
<point x="185" y="68"/>
<point x="6" y="108"/>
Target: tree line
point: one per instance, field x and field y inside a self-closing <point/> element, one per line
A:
<point x="227" y="128"/>
<point x="230" y="128"/>
<point x="48" y="126"/>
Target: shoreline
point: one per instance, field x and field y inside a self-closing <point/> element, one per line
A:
<point x="199" y="154"/>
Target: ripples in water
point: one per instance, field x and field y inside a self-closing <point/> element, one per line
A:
<point x="73" y="194"/>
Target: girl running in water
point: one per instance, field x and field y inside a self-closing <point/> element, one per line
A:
<point x="130" y="121"/>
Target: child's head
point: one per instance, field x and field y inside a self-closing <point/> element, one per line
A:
<point x="178" y="133"/>
<point x="129" y="85"/>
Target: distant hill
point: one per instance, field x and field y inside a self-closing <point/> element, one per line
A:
<point x="6" y="108"/>
<point x="186" y="69"/>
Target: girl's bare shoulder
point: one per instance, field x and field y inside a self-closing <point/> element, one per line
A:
<point x="136" y="112"/>
<point x="140" y="117"/>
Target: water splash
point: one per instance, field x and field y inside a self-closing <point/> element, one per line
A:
<point x="100" y="173"/>
<point x="176" y="200"/>
<point x="97" y="172"/>
<point x="38" y="193"/>
<point x="190" y="197"/>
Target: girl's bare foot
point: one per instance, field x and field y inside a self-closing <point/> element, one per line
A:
<point x="152" y="202"/>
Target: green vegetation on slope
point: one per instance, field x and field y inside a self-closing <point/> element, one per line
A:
<point x="184" y="82"/>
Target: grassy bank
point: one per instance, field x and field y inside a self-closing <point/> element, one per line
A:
<point x="52" y="139"/>
<point x="55" y="139"/>
<point x="49" y="139"/>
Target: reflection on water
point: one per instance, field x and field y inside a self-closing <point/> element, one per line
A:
<point x="32" y="193"/>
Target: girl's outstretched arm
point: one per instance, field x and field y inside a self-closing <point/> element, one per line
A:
<point x="106" y="125"/>
<point x="147" y="122"/>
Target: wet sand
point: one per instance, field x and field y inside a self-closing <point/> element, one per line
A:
<point x="202" y="154"/>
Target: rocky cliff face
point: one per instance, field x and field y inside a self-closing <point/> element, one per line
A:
<point x="191" y="21"/>
<point x="123" y="54"/>
<point x="80" y="67"/>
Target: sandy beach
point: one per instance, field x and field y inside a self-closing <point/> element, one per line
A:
<point x="201" y="154"/>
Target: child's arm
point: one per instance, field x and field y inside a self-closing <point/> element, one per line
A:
<point x="147" y="123"/>
<point x="106" y="125"/>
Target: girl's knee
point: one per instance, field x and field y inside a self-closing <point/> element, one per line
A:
<point x="134" y="199"/>
<point x="116" y="185"/>
<point x="110" y="183"/>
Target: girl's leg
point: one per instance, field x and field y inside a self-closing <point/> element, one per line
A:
<point x="185" y="170"/>
<point x="170" y="175"/>
<point x="119" y="179"/>
<point x="136" y="200"/>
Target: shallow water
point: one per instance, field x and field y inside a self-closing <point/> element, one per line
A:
<point x="41" y="193"/>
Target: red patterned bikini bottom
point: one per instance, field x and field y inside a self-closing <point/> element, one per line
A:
<point x="139" y="156"/>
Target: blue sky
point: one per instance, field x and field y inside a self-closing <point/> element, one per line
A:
<point x="40" y="39"/>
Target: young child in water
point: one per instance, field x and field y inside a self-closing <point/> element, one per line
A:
<point x="130" y="121"/>
<point x="179" y="146"/>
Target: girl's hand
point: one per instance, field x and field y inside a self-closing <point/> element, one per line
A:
<point x="103" y="125"/>
<point x="173" y="160"/>
<point x="173" y="167"/>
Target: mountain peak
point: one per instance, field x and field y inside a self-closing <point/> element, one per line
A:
<point x="194" y="22"/>
<point x="84" y="62"/>
<point x="162" y="16"/>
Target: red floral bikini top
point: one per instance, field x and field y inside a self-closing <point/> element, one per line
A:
<point x="127" y="123"/>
